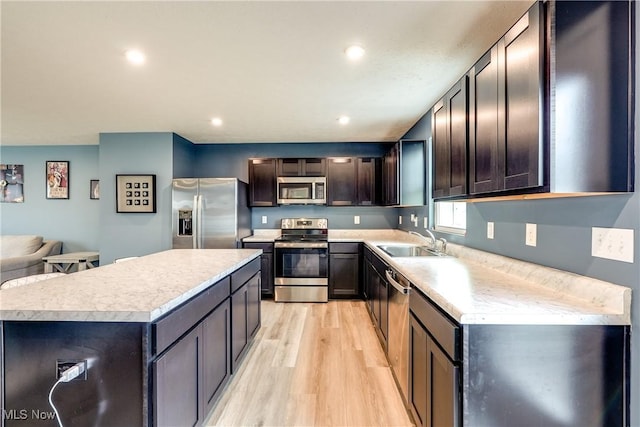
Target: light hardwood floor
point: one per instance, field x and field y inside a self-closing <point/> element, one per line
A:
<point x="313" y="365"/>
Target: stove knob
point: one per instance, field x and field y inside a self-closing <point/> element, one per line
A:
<point x="322" y="223"/>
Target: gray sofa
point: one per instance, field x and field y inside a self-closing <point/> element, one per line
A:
<point x="21" y="255"/>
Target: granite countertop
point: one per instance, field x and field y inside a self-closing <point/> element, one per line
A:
<point x="139" y="290"/>
<point x="477" y="287"/>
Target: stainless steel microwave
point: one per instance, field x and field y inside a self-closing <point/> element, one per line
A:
<point x="302" y="190"/>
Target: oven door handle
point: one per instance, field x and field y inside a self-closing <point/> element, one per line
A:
<point x="301" y="245"/>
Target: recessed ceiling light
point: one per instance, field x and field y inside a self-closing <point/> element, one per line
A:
<point x="354" y="52"/>
<point x="216" y="121"/>
<point x="135" y="57"/>
<point x="343" y="120"/>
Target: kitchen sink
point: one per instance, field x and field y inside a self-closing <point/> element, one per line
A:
<point x="409" y="251"/>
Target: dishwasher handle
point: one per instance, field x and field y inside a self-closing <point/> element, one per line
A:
<point x="402" y="289"/>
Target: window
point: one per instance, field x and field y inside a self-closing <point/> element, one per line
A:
<point x="451" y="217"/>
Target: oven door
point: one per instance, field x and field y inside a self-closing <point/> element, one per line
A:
<point x="301" y="263"/>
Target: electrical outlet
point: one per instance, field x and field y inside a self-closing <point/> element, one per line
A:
<point x="489" y="230"/>
<point x="612" y="243"/>
<point x="426" y="222"/>
<point x="356" y="219"/>
<point x="63" y="365"/>
<point x="264" y="219"/>
<point x="531" y="234"/>
<point x="400" y="219"/>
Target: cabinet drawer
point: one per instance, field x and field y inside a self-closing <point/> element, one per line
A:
<point x="344" y="248"/>
<point x="265" y="246"/>
<point x="245" y="273"/>
<point x="171" y="327"/>
<point x="443" y="330"/>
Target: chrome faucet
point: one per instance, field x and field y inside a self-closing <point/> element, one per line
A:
<point x="443" y="241"/>
<point x="431" y="236"/>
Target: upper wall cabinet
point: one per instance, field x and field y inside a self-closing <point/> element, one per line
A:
<point x="550" y="107"/>
<point x="262" y="182"/>
<point x="449" y="139"/>
<point x="506" y="115"/>
<point x="353" y="181"/>
<point x="301" y="167"/>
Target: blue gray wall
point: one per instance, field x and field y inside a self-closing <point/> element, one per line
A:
<point x="74" y="221"/>
<point x="135" y="234"/>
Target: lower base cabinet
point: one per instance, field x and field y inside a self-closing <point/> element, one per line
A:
<point x="266" y="266"/>
<point x="245" y="311"/>
<point x="344" y="270"/>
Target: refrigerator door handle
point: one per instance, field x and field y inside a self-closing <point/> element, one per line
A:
<point x="200" y="219"/>
<point x="195" y="225"/>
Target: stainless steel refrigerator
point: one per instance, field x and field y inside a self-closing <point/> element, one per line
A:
<point x="210" y="213"/>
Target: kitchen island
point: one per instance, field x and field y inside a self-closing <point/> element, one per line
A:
<point x="159" y="336"/>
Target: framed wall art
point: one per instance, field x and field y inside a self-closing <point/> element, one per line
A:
<point x="57" y="172"/>
<point x="136" y="193"/>
<point x="94" y="189"/>
<point x="11" y="183"/>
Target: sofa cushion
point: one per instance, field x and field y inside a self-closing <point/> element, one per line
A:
<point x="19" y="245"/>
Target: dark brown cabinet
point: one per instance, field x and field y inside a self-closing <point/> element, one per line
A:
<point x="434" y="366"/>
<point x="369" y="175"/>
<point x="190" y="375"/>
<point x="262" y="182"/>
<point x="377" y="296"/>
<point x="266" y="265"/>
<point x="449" y="141"/>
<point x="342" y="181"/>
<point x="245" y="318"/>
<point x="353" y="181"/>
<point x="391" y="176"/>
<point x="344" y="270"/>
<point x="301" y="167"/>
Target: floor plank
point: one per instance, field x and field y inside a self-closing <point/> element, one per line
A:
<point x="313" y="365"/>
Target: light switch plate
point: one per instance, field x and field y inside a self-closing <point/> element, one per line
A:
<point x="612" y="243"/>
<point x="531" y="235"/>
<point x="264" y="219"/>
<point x="489" y="230"/>
<point x="356" y="219"/>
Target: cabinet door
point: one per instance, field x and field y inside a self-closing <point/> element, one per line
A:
<point x="216" y="353"/>
<point x="313" y="167"/>
<point x="520" y="94"/>
<point x="390" y="176"/>
<point x="239" y="337"/>
<point x="253" y="305"/>
<point x="483" y="124"/>
<point x="418" y="372"/>
<point x="301" y="167"/>
<point x="344" y="277"/>
<point x="289" y="167"/>
<point x="341" y="181"/>
<point x="449" y="140"/>
<point x="176" y="383"/>
<point x="443" y="388"/>
<point x="367" y="181"/>
<point x="266" y="266"/>
<point x="383" y="295"/>
<point x="262" y="182"/>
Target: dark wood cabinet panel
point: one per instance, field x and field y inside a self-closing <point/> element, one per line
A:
<point x="262" y="182"/>
<point x="368" y="181"/>
<point x="483" y="124"/>
<point x="341" y="181"/>
<point x="253" y="306"/>
<point x="418" y="372"/>
<point x="450" y="141"/>
<point x="301" y="167"/>
<point x="177" y="383"/>
<point x="520" y="95"/>
<point x="216" y="337"/>
<point x="443" y="388"/>
<point x="344" y="270"/>
<point x="239" y="337"/>
<point x="391" y="177"/>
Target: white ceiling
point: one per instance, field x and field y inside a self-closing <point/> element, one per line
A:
<point x="274" y="71"/>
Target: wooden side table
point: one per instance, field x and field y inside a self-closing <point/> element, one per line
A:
<point x="64" y="262"/>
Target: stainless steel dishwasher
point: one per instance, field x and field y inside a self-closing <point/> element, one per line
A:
<point x="398" y="335"/>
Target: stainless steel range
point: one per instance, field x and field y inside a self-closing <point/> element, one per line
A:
<point x="302" y="261"/>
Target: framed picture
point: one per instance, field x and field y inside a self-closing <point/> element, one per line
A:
<point x="94" y="189"/>
<point x="136" y="193"/>
<point x="57" y="173"/>
<point x="11" y="183"/>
